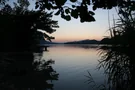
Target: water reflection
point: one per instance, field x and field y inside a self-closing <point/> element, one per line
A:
<point x="72" y="63"/>
<point x="25" y="71"/>
<point x="119" y="65"/>
<point x="85" y="46"/>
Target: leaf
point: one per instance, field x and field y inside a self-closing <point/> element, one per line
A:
<point x="60" y="2"/>
<point x="49" y="6"/>
<point x="88" y="2"/>
<point x="67" y="11"/>
<point x="94" y="7"/>
<point x="90" y="18"/>
<point x="62" y="15"/>
<point x="57" y="13"/>
<point x="73" y="0"/>
<point x="73" y="6"/>
<point x="82" y="20"/>
<point x="92" y="13"/>
<point x="74" y="13"/>
<point x="68" y="18"/>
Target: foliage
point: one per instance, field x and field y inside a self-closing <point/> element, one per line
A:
<point x="2" y="2"/>
<point x="19" y="37"/>
<point x="81" y="8"/>
<point x="95" y="86"/>
<point x="118" y="63"/>
<point x="123" y="31"/>
<point x="118" y="58"/>
<point x="19" y="27"/>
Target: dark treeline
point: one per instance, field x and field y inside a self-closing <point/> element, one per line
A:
<point x="19" y="27"/>
<point x="20" y="69"/>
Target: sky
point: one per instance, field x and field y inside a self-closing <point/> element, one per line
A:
<point x="74" y="30"/>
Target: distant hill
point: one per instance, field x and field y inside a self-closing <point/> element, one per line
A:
<point x="106" y="41"/>
<point x="47" y="42"/>
<point x="87" y="41"/>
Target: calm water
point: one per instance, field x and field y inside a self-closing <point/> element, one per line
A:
<point x="72" y="63"/>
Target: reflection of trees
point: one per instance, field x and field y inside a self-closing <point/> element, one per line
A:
<point x="19" y="37"/>
<point x="18" y="71"/>
<point x="119" y="66"/>
<point x="85" y="46"/>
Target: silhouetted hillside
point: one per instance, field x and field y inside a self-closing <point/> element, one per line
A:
<point x="106" y="41"/>
<point x="47" y="42"/>
<point x="87" y="41"/>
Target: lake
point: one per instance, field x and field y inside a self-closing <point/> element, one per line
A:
<point x="73" y="62"/>
<point x="69" y="67"/>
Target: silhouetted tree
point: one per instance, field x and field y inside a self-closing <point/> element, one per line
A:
<point x="19" y="37"/>
<point x="81" y="8"/>
<point x="19" y="26"/>
<point x="123" y="31"/>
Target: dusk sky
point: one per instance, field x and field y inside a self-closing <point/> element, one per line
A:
<point x="75" y="30"/>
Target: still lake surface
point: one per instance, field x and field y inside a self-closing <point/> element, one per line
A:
<point x="73" y="62"/>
